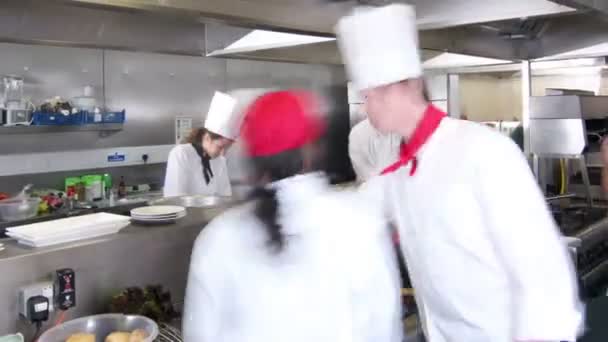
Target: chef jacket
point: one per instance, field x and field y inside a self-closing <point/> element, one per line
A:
<point x="483" y="252"/>
<point x="184" y="175"/>
<point x="335" y="280"/>
<point x="370" y="150"/>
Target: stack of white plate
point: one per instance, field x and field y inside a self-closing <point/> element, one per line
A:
<point x="68" y="229"/>
<point x="158" y="214"/>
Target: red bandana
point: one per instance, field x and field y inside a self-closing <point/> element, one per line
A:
<point x="426" y="127"/>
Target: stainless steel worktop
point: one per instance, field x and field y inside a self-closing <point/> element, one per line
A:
<point x="136" y="256"/>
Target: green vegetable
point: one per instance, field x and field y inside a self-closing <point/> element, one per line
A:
<point x="151" y="302"/>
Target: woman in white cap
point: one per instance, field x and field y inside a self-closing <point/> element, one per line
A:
<point x="299" y="263"/>
<point x="484" y="254"/>
<point x="198" y="167"/>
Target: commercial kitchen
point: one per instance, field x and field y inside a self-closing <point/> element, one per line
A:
<point x="96" y="93"/>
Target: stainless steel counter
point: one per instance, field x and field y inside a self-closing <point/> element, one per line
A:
<point x="137" y="256"/>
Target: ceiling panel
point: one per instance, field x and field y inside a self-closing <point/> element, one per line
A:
<point x="320" y="17"/>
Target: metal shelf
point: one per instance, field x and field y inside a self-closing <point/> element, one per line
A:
<point x="59" y="129"/>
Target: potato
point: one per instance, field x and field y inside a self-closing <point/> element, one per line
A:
<point x="138" y="336"/>
<point x="118" y="336"/>
<point x="81" y="338"/>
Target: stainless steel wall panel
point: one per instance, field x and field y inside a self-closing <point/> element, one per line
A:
<point x="48" y="72"/>
<point x="568" y="106"/>
<point x="155" y="88"/>
<point x="551" y="137"/>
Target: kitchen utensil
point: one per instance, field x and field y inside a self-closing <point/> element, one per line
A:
<point x="18" y="209"/>
<point x="101" y="326"/>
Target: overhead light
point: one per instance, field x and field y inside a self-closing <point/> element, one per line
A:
<point x="593" y="50"/>
<point x="455" y="60"/>
<point x="262" y="39"/>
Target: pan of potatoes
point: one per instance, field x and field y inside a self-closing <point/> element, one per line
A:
<point x="103" y="328"/>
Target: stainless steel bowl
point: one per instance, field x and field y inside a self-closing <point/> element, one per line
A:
<point x="101" y="326"/>
<point x="194" y="201"/>
<point x="18" y="209"/>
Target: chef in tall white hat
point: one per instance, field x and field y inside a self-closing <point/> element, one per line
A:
<point x="483" y="252"/>
<point x="198" y="167"/>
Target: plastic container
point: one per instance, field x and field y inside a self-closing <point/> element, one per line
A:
<point x="71" y="184"/>
<point x="101" y="326"/>
<point x="18" y="209"/>
<point x="93" y="185"/>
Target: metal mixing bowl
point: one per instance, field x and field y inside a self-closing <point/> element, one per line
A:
<point x="18" y="209"/>
<point x="101" y="326"/>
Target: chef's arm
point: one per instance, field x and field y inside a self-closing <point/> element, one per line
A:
<point x="544" y="293"/>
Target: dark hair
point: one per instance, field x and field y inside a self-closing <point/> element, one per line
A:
<point x="196" y="135"/>
<point x="272" y="169"/>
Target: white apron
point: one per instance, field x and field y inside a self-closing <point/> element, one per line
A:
<point x="335" y="281"/>
<point x="184" y="175"/>
<point x="482" y="249"/>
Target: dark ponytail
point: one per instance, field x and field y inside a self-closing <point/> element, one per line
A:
<point x="272" y="169"/>
<point x="266" y="211"/>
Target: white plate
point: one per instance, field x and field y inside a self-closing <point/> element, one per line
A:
<point x="157" y="220"/>
<point x="160" y="216"/>
<point x="157" y="210"/>
<point x="164" y="217"/>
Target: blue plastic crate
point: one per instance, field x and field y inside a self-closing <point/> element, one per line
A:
<point x="113" y="117"/>
<point x="50" y="119"/>
<point x="79" y="118"/>
<point x="93" y="118"/>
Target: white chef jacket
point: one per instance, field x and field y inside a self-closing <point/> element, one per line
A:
<point x="482" y="249"/>
<point x="335" y="281"/>
<point x="184" y="175"/>
<point x="370" y="151"/>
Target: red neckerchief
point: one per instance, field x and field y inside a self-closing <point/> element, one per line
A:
<point x="426" y="127"/>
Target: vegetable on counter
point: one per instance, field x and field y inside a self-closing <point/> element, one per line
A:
<point x="151" y="302"/>
<point x="4" y="195"/>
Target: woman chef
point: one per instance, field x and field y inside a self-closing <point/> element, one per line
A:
<point x="199" y="166"/>
<point x="483" y="251"/>
<point x="299" y="263"/>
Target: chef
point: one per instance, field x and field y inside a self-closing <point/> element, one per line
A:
<point x="483" y="251"/>
<point x="300" y="262"/>
<point x="198" y="167"/>
<point x="369" y="150"/>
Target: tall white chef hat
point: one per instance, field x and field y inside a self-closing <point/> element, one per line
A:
<point x="379" y="45"/>
<point x="222" y="118"/>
